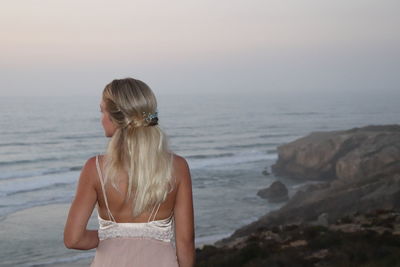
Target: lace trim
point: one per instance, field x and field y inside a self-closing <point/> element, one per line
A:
<point x="160" y="229"/>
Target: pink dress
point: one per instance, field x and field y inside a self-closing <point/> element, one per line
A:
<point x="145" y="244"/>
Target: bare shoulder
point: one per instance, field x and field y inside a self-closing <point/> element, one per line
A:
<point x="90" y="163"/>
<point x="179" y="161"/>
<point x="181" y="169"/>
<point x="88" y="171"/>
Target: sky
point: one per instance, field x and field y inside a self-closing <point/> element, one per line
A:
<point x="69" y="47"/>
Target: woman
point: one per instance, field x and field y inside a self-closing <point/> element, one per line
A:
<point x="143" y="191"/>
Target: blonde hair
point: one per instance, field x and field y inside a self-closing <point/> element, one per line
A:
<point x="137" y="147"/>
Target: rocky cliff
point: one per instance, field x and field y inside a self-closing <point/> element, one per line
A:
<point x="358" y="153"/>
<point x="359" y="169"/>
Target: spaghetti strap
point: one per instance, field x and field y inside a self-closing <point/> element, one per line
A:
<point x="156" y="211"/>
<point x="151" y="213"/>
<point x="110" y="216"/>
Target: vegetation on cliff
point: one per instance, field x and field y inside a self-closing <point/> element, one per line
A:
<point x="369" y="239"/>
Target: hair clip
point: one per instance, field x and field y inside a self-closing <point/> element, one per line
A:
<point x="150" y="116"/>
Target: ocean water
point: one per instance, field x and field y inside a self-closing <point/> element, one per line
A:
<point x="228" y="140"/>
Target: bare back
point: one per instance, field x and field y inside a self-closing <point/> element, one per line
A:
<point x="122" y="210"/>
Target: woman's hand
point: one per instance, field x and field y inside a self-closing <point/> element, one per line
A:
<point x="76" y="236"/>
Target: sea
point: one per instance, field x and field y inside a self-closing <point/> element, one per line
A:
<point x="229" y="140"/>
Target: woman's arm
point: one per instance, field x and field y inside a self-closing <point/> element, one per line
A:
<point x="184" y="218"/>
<point x="76" y="236"/>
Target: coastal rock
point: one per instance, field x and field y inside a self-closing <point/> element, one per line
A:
<point x="266" y="173"/>
<point x="358" y="153"/>
<point x="364" y="164"/>
<point x="304" y="190"/>
<point x="355" y="240"/>
<point x="377" y="156"/>
<point x="276" y="192"/>
<point x="335" y="201"/>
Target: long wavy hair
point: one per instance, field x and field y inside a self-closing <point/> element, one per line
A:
<point x="138" y="147"/>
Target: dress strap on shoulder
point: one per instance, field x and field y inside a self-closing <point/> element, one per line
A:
<point x="110" y="216"/>
<point x="154" y="213"/>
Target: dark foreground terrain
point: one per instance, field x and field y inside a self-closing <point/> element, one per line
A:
<point x="371" y="239"/>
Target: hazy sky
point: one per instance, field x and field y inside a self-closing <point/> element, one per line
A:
<point x="68" y="47"/>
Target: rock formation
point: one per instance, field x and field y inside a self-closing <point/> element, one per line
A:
<point x="358" y="153"/>
<point x="276" y="192"/>
<point x="360" y="168"/>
